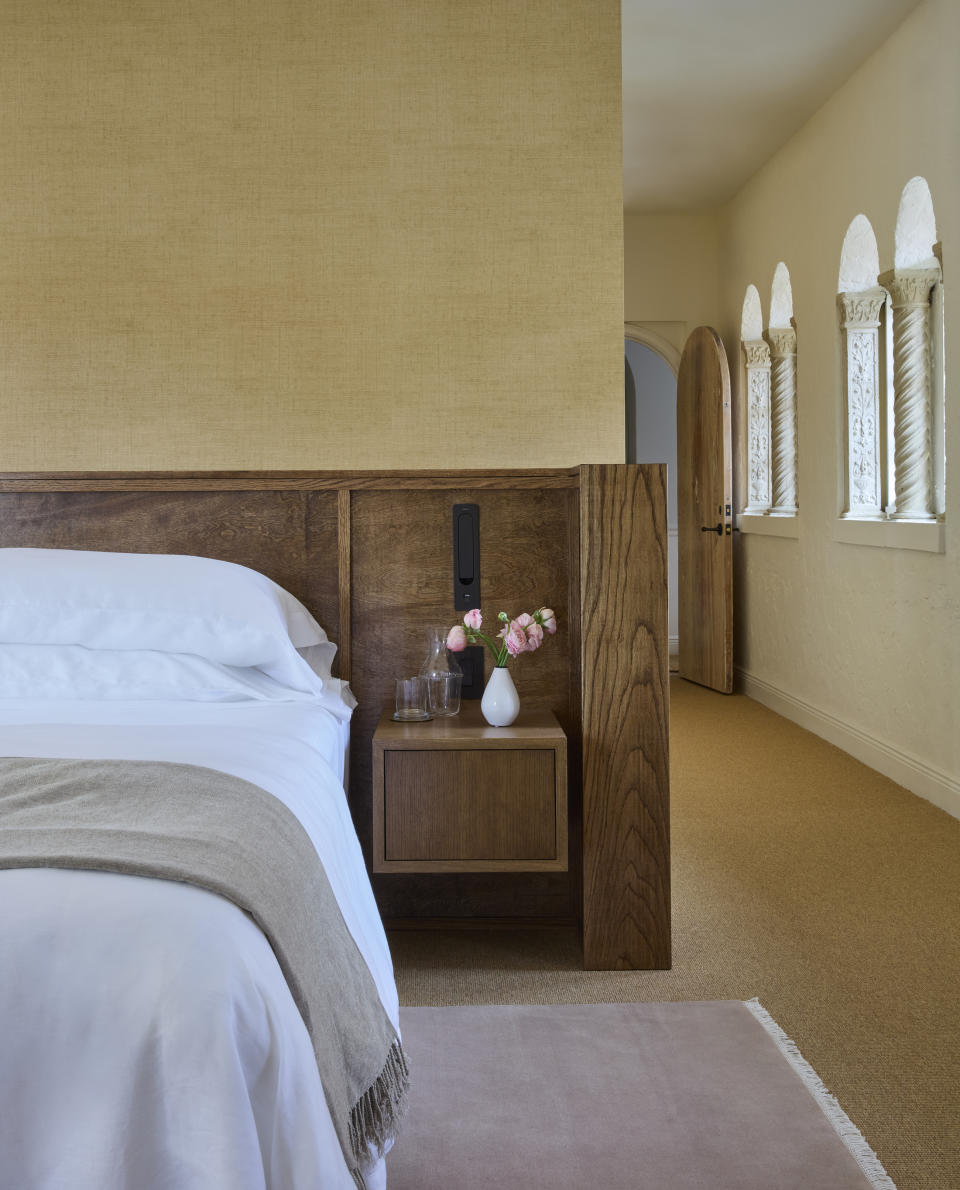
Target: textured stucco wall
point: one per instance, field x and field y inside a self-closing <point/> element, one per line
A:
<point x="671" y="273"/>
<point x="299" y="233"/>
<point x="870" y="636"/>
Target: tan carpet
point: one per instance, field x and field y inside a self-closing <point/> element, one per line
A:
<point x="803" y="878"/>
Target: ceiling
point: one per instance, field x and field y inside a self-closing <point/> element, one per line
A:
<point x="711" y="88"/>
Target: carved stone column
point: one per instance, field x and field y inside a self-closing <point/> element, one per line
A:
<point x="757" y="356"/>
<point x="860" y="325"/>
<point x="913" y="462"/>
<point x="783" y="418"/>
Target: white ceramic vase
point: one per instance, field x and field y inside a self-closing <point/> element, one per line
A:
<point x="500" y="704"/>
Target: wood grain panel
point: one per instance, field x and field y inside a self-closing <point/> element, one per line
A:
<point x="289" y="536"/>
<point x="344" y="582"/>
<point x="534" y="727"/>
<point x="402" y="582"/>
<point x="704" y="500"/>
<point x="626" y="835"/>
<point x="470" y="805"/>
<point x="573" y="723"/>
<point x="280" y="481"/>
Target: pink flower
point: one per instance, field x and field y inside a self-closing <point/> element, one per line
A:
<point x="548" y="618"/>
<point x="473" y="619"/>
<point x="532" y="632"/>
<point x="516" y="641"/>
<point x="456" y="639"/>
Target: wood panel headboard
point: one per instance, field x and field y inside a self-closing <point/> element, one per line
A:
<point x="370" y="555"/>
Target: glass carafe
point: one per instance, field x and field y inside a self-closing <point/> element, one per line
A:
<point x="443" y="675"/>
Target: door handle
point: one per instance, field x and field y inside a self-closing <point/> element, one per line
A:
<point x="718" y="529"/>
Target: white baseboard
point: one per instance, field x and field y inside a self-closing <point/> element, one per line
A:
<point x="899" y="765"/>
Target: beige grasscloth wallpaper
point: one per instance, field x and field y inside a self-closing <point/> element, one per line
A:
<point x="307" y="233"/>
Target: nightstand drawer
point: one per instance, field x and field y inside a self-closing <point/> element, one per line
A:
<point x="457" y="795"/>
<point x="470" y="805"/>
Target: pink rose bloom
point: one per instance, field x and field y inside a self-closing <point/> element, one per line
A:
<point x="516" y="642"/>
<point x="526" y="625"/>
<point x="473" y="619"/>
<point x="456" y="639"/>
<point x="548" y="618"/>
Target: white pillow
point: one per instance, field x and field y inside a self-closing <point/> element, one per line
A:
<point x="74" y="672"/>
<point x="171" y="603"/>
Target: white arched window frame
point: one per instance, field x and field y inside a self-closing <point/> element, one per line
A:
<point x="770" y="369"/>
<point x="891" y="328"/>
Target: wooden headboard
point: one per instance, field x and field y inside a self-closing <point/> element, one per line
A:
<point x="370" y="555"/>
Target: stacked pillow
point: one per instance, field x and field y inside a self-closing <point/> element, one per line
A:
<point x="80" y="624"/>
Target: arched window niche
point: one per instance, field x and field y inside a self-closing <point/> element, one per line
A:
<point x="915" y="434"/>
<point x="756" y="356"/>
<point x="891" y="327"/>
<point x="781" y="336"/>
<point x="860" y="301"/>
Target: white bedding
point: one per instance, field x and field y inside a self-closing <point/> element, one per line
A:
<point x="150" y="1041"/>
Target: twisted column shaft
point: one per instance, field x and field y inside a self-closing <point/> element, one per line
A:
<point x="913" y="464"/>
<point x="783" y="418"/>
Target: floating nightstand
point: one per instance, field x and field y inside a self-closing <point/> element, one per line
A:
<point x="456" y="795"/>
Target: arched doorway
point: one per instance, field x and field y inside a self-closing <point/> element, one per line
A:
<point x="650" y="406"/>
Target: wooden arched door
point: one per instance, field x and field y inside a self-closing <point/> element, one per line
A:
<point x="704" y="512"/>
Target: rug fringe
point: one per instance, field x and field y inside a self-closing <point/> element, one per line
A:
<point x="845" y="1128"/>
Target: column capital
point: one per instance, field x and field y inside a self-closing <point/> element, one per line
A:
<point x="861" y="308"/>
<point x="910" y="287"/>
<point x="756" y="353"/>
<point x="782" y="340"/>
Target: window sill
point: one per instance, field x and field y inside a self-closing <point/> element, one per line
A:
<point x="890" y="534"/>
<point x="770" y="525"/>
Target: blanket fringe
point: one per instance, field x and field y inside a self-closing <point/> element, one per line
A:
<point x="845" y="1128"/>
<point x="375" y="1118"/>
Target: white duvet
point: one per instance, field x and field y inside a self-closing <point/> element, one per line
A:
<point x="148" y="1039"/>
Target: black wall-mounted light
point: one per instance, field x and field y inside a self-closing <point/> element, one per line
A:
<point x="466" y="556"/>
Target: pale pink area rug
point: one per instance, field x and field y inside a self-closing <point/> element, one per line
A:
<point x="684" y="1096"/>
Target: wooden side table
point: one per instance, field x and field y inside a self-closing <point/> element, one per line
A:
<point x="456" y="795"/>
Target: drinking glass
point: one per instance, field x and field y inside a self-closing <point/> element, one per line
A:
<point x="412" y="699"/>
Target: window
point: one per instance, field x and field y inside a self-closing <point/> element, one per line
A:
<point x="770" y="358"/>
<point x="756" y="355"/>
<point x="891" y="327"/>
<point x="860" y="302"/>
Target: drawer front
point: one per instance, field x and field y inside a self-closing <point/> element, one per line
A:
<point x="470" y="805"/>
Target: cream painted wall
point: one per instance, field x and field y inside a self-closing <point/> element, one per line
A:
<point x="864" y="639"/>
<point x="305" y="234"/>
<point x="671" y="273"/>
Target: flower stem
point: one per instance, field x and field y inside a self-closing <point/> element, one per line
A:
<point x="499" y="652"/>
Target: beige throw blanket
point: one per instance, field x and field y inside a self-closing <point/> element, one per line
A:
<point x="203" y="827"/>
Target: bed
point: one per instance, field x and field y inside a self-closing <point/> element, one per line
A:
<point x="152" y="1038"/>
<point x="369" y="553"/>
